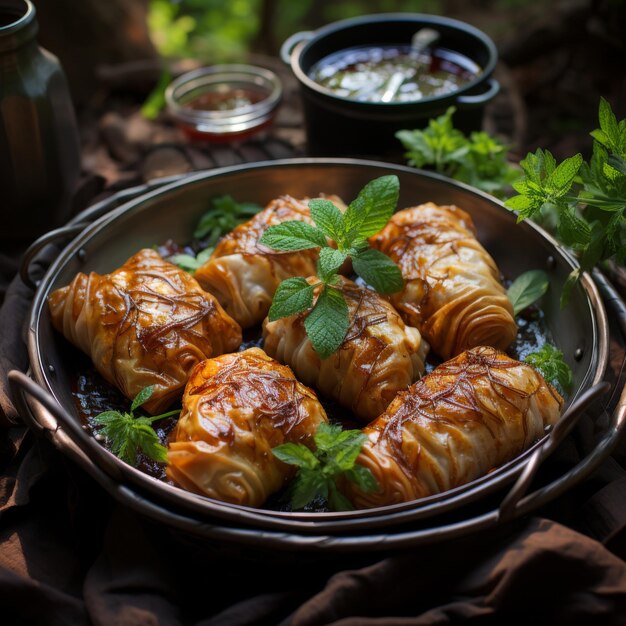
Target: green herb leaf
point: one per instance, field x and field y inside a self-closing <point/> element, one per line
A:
<point x="527" y="288"/>
<point x="147" y="440"/>
<point x="307" y="486"/>
<point x="328" y="322"/>
<point x="363" y="478"/>
<point x="293" y="236"/>
<point x="293" y="296"/>
<point x="373" y="207"/>
<point x="142" y="397"/>
<point x="326" y="435"/>
<point x="550" y="363"/>
<point x="295" y="454"/>
<point x="345" y="452"/>
<point x="336" y="499"/>
<point x="378" y="270"/>
<point x="479" y="160"/>
<point x="185" y="262"/>
<point x="127" y="434"/>
<point x="224" y="215"/>
<point x="335" y="455"/>
<point x="327" y="217"/>
<point x="329" y="262"/>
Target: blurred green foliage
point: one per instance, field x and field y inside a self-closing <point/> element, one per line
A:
<point x="225" y="30"/>
<point x="211" y="30"/>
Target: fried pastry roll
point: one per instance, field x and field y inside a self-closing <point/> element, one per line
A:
<point x="452" y="291"/>
<point x="466" y="417"/>
<point x="236" y="408"/>
<point x="146" y="323"/>
<point x="379" y="356"/>
<point x="243" y="275"/>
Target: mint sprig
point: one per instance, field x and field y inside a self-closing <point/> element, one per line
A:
<point x="585" y="202"/>
<point x="127" y="434"/>
<point x="223" y="216"/>
<point x="527" y="288"/>
<point x="549" y="361"/>
<point x="328" y="320"/>
<point x="335" y="455"/>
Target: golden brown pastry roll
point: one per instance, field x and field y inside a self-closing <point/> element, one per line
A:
<point x="244" y="275"/>
<point x="466" y="417"/>
<point x="452" y="290"/>
<point x="146" y="323"/>
<point x="379" y="356"/>
<point x="236" y="408"/>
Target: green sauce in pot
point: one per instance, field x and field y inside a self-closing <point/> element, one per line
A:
<point x="366" y="73"/>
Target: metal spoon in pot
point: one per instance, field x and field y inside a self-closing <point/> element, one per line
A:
<point x="421" y="40"/>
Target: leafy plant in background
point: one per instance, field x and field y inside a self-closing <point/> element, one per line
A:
<point x="212" y="31"/>
<point x="478" y="160"/>
<point x="585" y="201"/>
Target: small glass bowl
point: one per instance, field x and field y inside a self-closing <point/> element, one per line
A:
<point x="224" y="103"/>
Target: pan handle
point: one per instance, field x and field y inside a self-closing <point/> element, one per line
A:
<point x="514" y="504"/>
<point x="58" y="234"/>
<point x="86" y="217"/>
<point x="22" y="385"/>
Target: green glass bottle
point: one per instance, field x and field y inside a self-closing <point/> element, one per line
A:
<point x="39" y="144"/>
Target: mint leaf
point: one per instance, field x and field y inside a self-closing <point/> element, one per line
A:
<point x="224" y="215"/>
<point x="373" y="207"/>
<point x="329" y="262"/>
<point x="293" y="296"/>
<point x="326" y="434"/>
<point x="527" y="288"/>
<point x="307" y="486"/>
<point x="185" y="262"/>
<point x="563" y="176"/>
<point x="142" y="397"/>
<point x="190" y="263"/>
<point x="327" y="217"/>
<point x="328" y="322"/>
<point x="292" y="236"/>
<point x="295" y="454"/>
<point x="363" y="478"/>
<point x="345" y="452"/>
<point x="147" y="440"/>
<point x="335" y="455"/>
<point x="336" y="499"/>
<point x="550" y="363"/>
<point x="378" y="270"/>
<point x="127" y="434"/>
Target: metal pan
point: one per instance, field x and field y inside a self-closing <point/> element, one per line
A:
<point x="170" y="211"/>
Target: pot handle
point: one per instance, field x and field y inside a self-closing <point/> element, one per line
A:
<point x="509" y="507"/>
<point x="493" y="87"/>
<point x="22" y="385"/>
<point x="291" y="42"/>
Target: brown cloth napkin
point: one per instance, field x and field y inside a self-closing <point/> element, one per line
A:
<point x="70" y="555"/>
